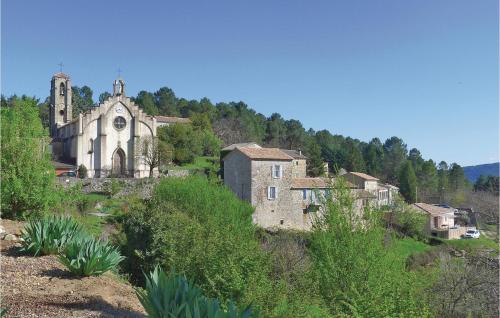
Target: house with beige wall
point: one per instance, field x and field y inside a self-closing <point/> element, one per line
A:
<point x="384" y="194"/>
<point x="440" y="221"/>
<point x="274" y="181"/>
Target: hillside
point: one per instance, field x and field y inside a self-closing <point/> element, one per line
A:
<point x="42" y="287"/>
<point x="473" y="172"/>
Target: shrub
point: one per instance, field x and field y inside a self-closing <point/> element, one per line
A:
<point x="203" y="230"/>
<point x="90" y="257"/>
<point x="27" y="175"/>
<point x="49" y="235"/>
<point x="174" y="296"/>
<point x="82" y="171"/>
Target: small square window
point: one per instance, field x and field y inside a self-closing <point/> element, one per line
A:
<point x="282" y="221"/>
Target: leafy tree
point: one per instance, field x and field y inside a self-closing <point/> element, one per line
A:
<point x="416" y="160"/>
<point x="104" y="96"/>
<point x="442" y="178"/>
<point x="315" y="165"/>
<point x="151" y="151"/>
<point x="353" y="157"/>
<point x="295" y="134"/>
<point x="456" y="177"/>
<point x="146" y="101"/>
<point x="81" y="99"/>
<point x="408" y="182"/>
<point x="487" y="183"/>
<point x="374" y="156"/>
<point x="427" y="181"/>
<point x="27" y="176"/>
<point x="276" y="131"/>
<point x="394" y="155"/>
<point x="166" y="102"/>
<point x="360" y="276"/>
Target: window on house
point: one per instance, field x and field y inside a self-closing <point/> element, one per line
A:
<point x="62" y="89"/>
<point x="277" y="171"/>
<point x="313" y="195"/>
<point x="91" y="145"/>
<point x="304" y="194"/>
<point x="272" y="193"/>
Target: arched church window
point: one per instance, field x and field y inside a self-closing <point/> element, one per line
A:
<point x="62" y="89"/>
<point x="91" y="145"/>
<point x="119" y="122"/>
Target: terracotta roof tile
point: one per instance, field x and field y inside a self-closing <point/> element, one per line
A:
<point x="241" y="145"/>
<point x="264" y="153"/>
<point x="295" y="154"/>
<point x="432" y="209"/>
<point x="172" y="120"/>
<point x="310" y="183"/>
<point x="364" y="176"/>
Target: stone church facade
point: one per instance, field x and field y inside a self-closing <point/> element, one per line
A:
<point x="104" y="139"/>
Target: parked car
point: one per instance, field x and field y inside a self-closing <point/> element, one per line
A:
<point x="70" y="173"/>
<point x="472" y="234"/>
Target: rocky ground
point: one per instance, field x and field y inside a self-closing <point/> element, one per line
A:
<point x="41" y="287"/>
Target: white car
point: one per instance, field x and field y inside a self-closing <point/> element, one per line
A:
<point x="472" y="234"/>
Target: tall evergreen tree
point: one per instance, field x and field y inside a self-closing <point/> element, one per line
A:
<point x="315" y="167"/>
<point x="408" y="182"/>
<point x="374" y="157"/>
<point x="394" y="155"/>
<point x="456" y="177"/>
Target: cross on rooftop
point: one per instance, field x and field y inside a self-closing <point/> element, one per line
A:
<point x="60" y="66"/>
<point x="119" y="72"/>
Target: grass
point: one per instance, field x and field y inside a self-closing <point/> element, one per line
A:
<point x="473" y="244"/>
<point x="408" y="246"/>
<point x="199" y="163"/>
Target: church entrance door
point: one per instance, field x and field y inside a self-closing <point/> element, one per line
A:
<point x="118" y="162"/>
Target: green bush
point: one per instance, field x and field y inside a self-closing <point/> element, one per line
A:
<point x="90" y="257"/>
<point x="49" y="235"/>
<point x="174" y="296"/>
<point x="203" y="230"/>
<point x="82" y="171"/>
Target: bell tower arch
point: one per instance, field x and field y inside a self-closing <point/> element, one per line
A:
<point x="60" y="101"/>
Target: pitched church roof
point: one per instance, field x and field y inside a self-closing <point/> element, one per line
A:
<point x="172" y="120"/>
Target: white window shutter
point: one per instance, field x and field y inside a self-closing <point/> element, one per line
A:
<point x="272" y="171"/>
<point x="276" y="192"/>
<point x="268" y="193"/>
<point x="280" y="171"/>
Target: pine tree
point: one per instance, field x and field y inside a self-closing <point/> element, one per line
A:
<point x="408" y="182"/>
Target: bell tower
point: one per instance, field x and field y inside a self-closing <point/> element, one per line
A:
<point x="60" y="102"/>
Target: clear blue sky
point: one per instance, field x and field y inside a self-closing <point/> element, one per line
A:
<point x="422" y="70"/>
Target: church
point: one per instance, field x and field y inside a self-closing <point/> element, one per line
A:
<point x="105" y="139"/>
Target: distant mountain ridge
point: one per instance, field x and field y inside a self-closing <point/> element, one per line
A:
<point x="473" y="172"/>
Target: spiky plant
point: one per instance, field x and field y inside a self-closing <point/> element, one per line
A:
<point x="88" y="256"/>
<point x="174" y="296"/>
<point x="50" y="234"/>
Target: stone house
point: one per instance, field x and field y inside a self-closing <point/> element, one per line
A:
<point x="274" y="181"/>
<point x="105" y="139"/>
<point x="384" y="194"/>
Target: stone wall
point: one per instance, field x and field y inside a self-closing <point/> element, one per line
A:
<point x="237" y="175"/>
<point x="272" y="212"/>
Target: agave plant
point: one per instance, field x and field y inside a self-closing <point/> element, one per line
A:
<point x="88" y="256"/>
<point x="174" y="296"/>
<point x="49" y="235"/>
